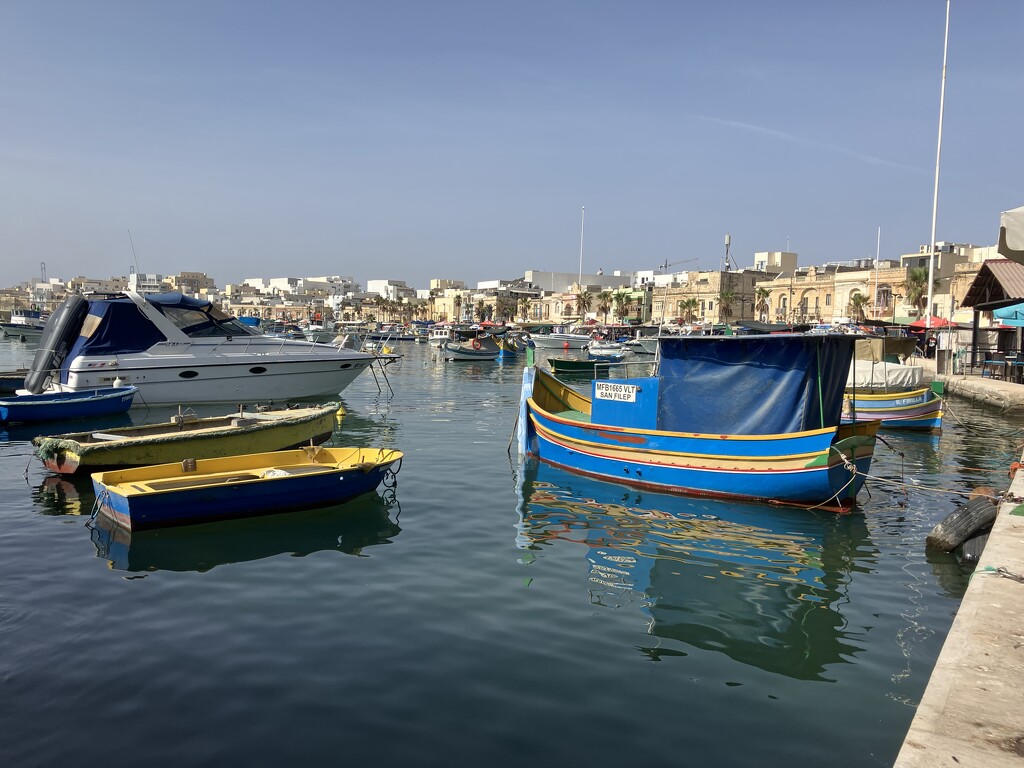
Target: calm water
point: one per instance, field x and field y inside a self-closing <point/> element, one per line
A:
<point x="480" y="616"/>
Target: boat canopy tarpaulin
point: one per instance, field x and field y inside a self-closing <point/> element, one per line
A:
<point x="1011" y="235"/>
<point x="752" y="385"/>
<point x="888" y="376"/>
<point x="876" y="349"/>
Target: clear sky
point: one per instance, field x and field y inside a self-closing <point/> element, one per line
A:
<point x="422" y="139"/>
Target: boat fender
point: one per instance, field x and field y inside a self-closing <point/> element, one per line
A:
<point x="476" y="343"/>
<point x="59" y="334"/>
<point x="977" y="514"/>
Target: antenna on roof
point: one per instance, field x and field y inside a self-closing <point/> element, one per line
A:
<point x="728" y="259"/>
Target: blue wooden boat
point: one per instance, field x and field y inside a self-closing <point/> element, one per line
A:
<point x="749" y="417"/>
<point x="916" y="409"/>
<point x="882" y="388"/>
<point x="65" y="406"/>
<point x="233" y="487"/>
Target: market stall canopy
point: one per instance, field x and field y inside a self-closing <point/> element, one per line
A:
<point x="999" y="282"/>
<point x="936" y="322"/>
<point x="1011" y="235"/>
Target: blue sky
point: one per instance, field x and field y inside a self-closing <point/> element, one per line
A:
<point x="413" y="140"/>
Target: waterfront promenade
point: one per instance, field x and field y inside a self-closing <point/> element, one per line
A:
<point x="972" y="712"/>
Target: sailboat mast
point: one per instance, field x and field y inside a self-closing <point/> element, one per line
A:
<point x="579" y="281"/>
<point x="938" y="156"/>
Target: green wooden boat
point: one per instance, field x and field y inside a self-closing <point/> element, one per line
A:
<point x="188" y="437"/>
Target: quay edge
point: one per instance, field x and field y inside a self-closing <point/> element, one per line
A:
<point x="972" y="712"/>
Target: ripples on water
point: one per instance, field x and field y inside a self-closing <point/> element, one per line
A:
<point x="485" y="611"/>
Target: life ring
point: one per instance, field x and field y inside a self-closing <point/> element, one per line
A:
<point x="59" y="334"/>
<point x="476" y="343"/>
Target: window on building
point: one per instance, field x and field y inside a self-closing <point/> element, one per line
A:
<point x="828" y="299"/>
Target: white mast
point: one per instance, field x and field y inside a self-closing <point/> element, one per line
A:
<point x="938" y="156"/>
<point x="878" y="251"/>
<point x="579" y="281"/>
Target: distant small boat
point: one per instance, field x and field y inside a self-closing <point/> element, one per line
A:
<point x="24" y="324"/>
<point x="575" y="367"/>
<point x="643" y="346"/>
<point x="233" y="487"/>
<point x="187" y="436"/>
<point x="916" y="409"/>
<point x="482" y="347"/>
<point x="606" y="355"/>
<point x="64" y="406"/>
<point x="560" y="340"/>
<point x="319" y="334"/>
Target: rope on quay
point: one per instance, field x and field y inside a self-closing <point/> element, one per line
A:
<point x="998" y="571"/>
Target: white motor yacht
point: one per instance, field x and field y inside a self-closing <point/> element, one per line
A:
<point x="177" y="349"/>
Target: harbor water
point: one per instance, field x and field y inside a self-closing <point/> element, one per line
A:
<point x="484" y="611"/>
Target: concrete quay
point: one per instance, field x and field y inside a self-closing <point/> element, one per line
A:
<point x="972" y="712"/>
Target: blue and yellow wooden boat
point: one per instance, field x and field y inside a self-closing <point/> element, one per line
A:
<point x="749" y="417"/>
<point x="882" y="388"/>
<point x="916" y="409"/>
<point x="240" y="486"/>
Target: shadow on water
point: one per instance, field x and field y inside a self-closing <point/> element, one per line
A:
<point x="349" y="528"/>
<point x="761" y="584"/>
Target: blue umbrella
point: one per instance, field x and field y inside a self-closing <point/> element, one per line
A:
<point x="1013" y="315"/>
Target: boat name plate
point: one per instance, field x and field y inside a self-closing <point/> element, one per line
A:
<point x="606" y="390"/>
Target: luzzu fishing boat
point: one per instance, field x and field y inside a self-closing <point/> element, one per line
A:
<point x="881" y="388"/>
<point x="234" y="487"/>
<point x="748" y="417"/>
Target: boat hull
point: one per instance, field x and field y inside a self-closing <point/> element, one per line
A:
<point x="205" y="438"/>
<point x="486" y="351"/>
<point x="813" y="468"/>
<point x="66" y="406"/>
<point x="239" y="486"/>
<point x="259" y="371"/>
<point x="560" y="341"/>
<point x="918" y="409"/>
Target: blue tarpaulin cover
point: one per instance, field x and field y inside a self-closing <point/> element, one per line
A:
<point x="753" y="385"/>
<point x="116" y="326"/>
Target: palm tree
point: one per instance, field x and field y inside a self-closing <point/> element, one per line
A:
<point x="688" y="309"/>
<point x="762" y="302"/>
<point x="725" y="300"/>
<point x="621" y="300"/>
<point x="857" y="303"/>
<point x="583" y="301"/>
<point x="604" y="303"/>
<point x="505" y="309"/>
<point x="916" y="287"/>
<point x="524" y="307"/>
<point x="481" y="310"/>
<point x="457" y="303"/>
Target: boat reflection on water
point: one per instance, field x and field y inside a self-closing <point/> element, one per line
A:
<point x="349" y="528"/>
<point x="759" y="583"/>
<point x="64" y="495"/>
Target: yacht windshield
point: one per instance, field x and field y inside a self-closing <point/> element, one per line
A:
<point x="207" y="321"/>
